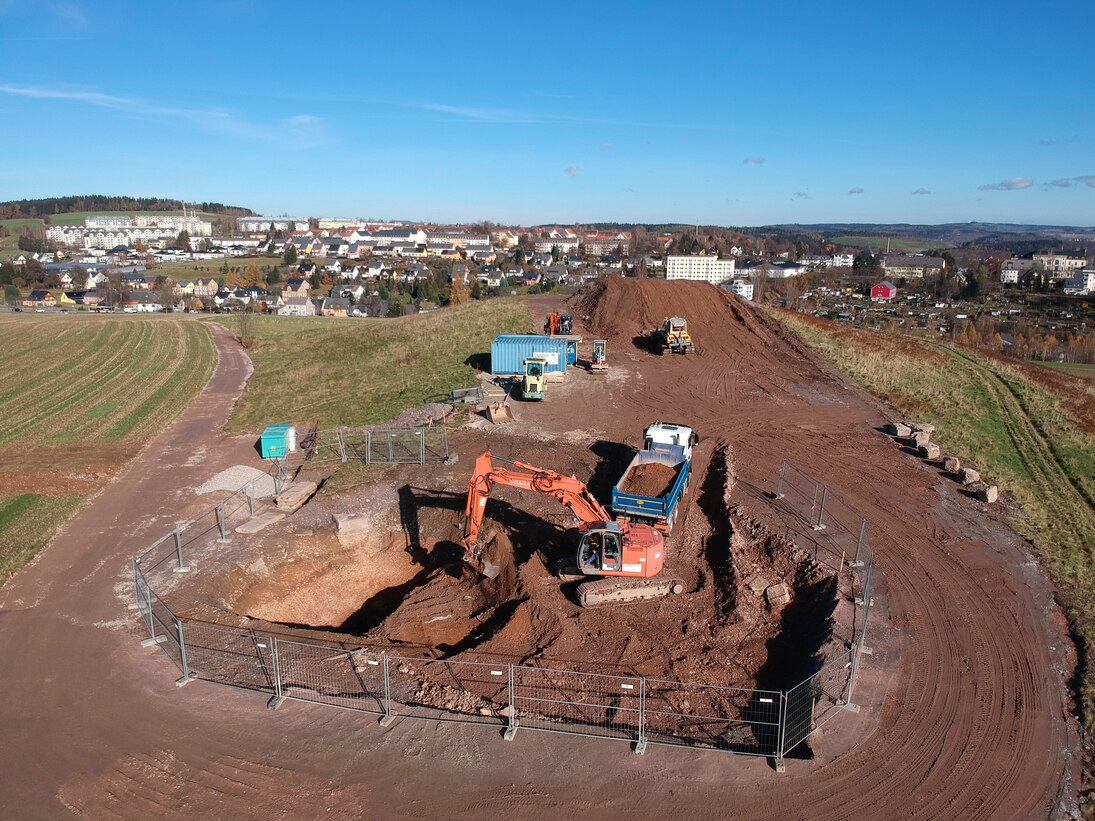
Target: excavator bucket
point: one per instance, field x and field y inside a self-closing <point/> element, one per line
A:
<point x="489" y="569"/>
<point x="499" y="413"/>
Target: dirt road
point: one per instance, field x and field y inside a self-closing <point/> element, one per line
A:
<point x="965" y="707"/>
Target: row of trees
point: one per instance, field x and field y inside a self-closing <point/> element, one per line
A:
<point x="46" y="206"/>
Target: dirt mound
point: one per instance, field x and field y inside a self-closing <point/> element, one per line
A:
<point x="652" y="479"/>
<point x="628" y="309"/>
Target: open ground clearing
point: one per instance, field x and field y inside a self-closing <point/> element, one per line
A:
<point x="965" y="709"/>
<point x="1036" y="441"/>
<point x="365" y="371"/>
<point x="82" y="395"/>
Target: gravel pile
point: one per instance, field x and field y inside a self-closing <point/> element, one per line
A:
<point x="236" y="477"/>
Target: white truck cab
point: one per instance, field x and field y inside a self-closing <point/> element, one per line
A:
<point x="667" y="433"/>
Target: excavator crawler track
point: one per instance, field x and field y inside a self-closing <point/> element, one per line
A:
<point x="616" y="590"/>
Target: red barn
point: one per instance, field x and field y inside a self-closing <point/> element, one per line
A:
<point x="883" y="291"/>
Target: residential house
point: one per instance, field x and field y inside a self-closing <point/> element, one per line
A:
<point x="39" y="298"/>
<point x="184" y="288"/>
<point x="296" y="287"/>
<point x="557" y="274"/>
<point x="1059" y="266"/>
<point x="335" y="306"/>
<point x="532" y="278"/>
<point x="376" y="268"/>
<point x="485" y="256"/>
<point x="460" y="273"/>
<point x="491" y="277"/>
<point x="297" y="306"/>
<point x="205" y="288"/>
<point x="505" y="239"/>
<point x="1082" y="282"/>
<point x="599" y="243"/>
<point x="415" y="271"/>
<point x="740" y="287"/>
<point x="541" y="259"/>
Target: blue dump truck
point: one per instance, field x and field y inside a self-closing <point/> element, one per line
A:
<point x="657" y="477"/>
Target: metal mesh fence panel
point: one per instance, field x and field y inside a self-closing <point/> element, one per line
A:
<point x="464" y="691"/>
<point x="230" y="655"/>
<point x="813" y="702"/>
<point x="584" y="703"/>
<point x="352" y="679"/>
<point x="402" y="445"/>
<point x="723" y="718"/>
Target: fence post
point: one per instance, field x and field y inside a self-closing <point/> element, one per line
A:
<point x="250" y="498"/>
<point x="220" y="522"/>
<point x="821" y="512"/>
<point x="136" y="583"/>
<point x="368" y="447"/>
<point x="182" y="567"/>
<point x="862" y="540"/>
<point x="421" y="446"/>
<point x="275" y="662"/>
<point x="782" y="469"/>
<point x="781" y="733"/>
<point x="153" y="638"/>
<point x="640" y="742"/>
<point x="391" y="456"/>
<point x="511" y="710"/>
<point x="187" y="676"/>
<point x="341" y="445"/>
<point x="389" y="716"/>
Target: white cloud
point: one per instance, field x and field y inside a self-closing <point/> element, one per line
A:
<point x="296" y="132"/>
<point x="572" y="170"/>
<point x="923" y="192"/>
<point x="1014" y="184"/>
<point x="752" y="159"/>
<point x="1088" y="180"/>
<point x="855" y="190"/>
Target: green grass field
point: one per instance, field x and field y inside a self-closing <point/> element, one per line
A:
<point x="1016" y="432"/>
<point x="1075" y="368"/>
<point x="878" y="244"/>
<point x="364" y="371"/>
<point x="82" y="394"/>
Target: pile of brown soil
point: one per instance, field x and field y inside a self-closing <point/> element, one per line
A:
<point x="652" y="479"/>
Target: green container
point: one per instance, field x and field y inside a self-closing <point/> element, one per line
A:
<point x="274" y="441"/>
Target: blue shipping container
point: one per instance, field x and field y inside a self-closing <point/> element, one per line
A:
<point x="508" y="352"/>
<point x="572" y="352"/>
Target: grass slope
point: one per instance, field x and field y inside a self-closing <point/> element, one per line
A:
<point x="364" y="371"/>
<point x="83" y="393"/>
<point x="1016" y="431"/>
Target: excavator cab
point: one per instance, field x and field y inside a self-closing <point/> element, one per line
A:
<point x="599" y="360"/>
<point x="566" y="324"/>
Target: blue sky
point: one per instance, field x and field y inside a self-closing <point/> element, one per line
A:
<point x="728" y="113"/>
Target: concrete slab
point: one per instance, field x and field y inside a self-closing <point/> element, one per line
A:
<point x="259" y="522"/>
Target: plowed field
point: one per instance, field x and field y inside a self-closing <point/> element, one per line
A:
<point x="81" y="395"/>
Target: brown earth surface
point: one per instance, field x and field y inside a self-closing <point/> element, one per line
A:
<point x="965" y="711"/>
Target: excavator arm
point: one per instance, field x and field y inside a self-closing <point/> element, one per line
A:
<point x="573" y="494"/>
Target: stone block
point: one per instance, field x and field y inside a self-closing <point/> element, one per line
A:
<point x="898" y="429"/>
<point x="919" y="439"/>
<point x="778" y="594"/>
<point x="922" y="427"/>
<point x="951" y="464"/>
<point x="351" y="524"/>
<point x="929" y="451"/>
<point x="987" y="493"/>
<point x="756" y="584"/>
<point x="967" y="476"/>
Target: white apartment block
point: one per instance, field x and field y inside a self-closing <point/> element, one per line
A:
<point x="742" y="288"/>
<point x="1009" y="276"/>
<point x="1081" y="282"/>
<point x="254" y="225"/>
<point x="77" y="236"/>
<point x="1059" y="266"/>
<point x="194" y="226"/>
<point x="705" y="269"/>
<point x="461" y="239"/>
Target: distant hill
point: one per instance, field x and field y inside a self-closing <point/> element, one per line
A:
<point x="94" y="203"/>
<point x="954" y="234"/>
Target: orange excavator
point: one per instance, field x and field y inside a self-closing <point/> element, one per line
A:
<point x="627" y="556"/>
